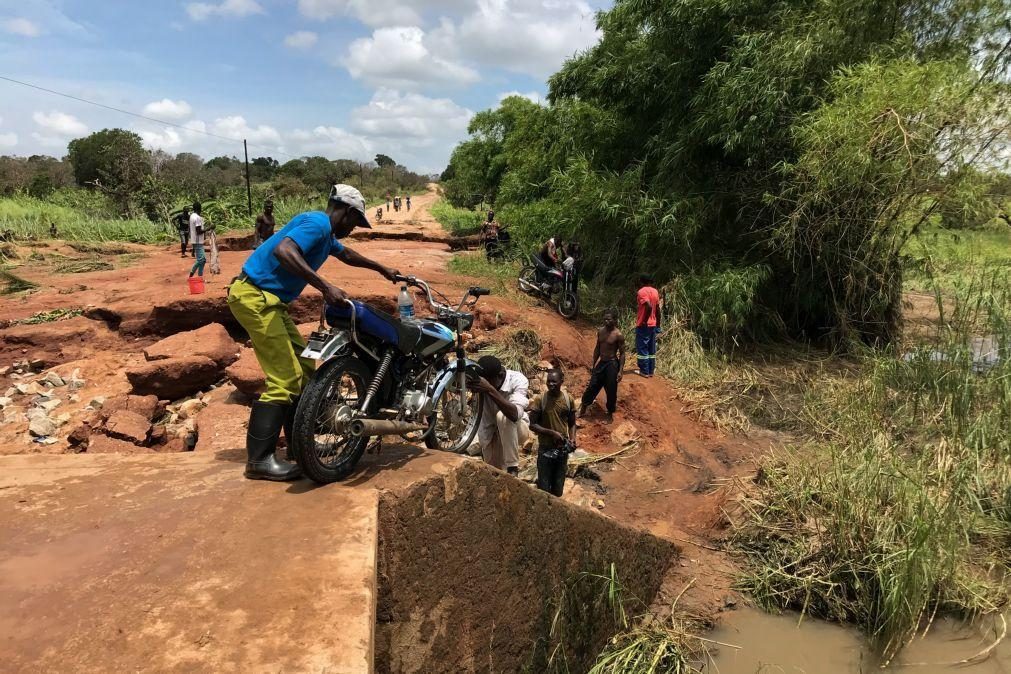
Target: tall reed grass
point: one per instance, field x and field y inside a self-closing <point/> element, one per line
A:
<point x="643" y="641"/>
<point x="900" y="507"/>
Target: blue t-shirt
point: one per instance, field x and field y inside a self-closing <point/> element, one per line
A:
<point x="312" y="234"/>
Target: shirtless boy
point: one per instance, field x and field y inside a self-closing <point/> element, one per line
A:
<point x="608" y="365"/>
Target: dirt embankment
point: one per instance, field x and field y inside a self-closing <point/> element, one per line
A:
<point x="471" y="566"/>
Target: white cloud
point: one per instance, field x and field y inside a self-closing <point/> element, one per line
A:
<point x="21" y="26"/>
<point x="236" y="127"/>
<point x="378" y="13"/>
<point x="199" y="11"/>
<point x="166" y="108"/>
<point x="532" y="37"/>
<point x="302" y="39"/>
<point x="191" y="138"/>
<point x="168" y="140"/>
<point x="532" y="96"/>
<point x="50" y="142"/>
<point x="541" y="34"/>
<point x="411" y="118"/>
<point x="60" y="124"/>
<point x="398" y="57"/>
<point x="8" y="139"/>
<point x="329" y="141"/>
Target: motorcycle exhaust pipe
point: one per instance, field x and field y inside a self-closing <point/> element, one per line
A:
<point x="369" y="427"/>
<point x="530" y="287"/>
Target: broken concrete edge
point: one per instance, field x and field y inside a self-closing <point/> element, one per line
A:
<point x="243" y="242"/>
<point x="513" y="549"/>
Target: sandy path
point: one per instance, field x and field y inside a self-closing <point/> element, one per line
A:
<point x="417" y="220"/>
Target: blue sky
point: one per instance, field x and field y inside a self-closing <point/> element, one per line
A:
<point x="341" y="78"/>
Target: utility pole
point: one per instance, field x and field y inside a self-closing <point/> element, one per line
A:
<point x="249" y="190"/>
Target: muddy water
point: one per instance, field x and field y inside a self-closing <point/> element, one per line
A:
<point x="775" y="644"/>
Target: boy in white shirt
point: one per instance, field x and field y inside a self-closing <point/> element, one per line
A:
<point x="197" y="240"/>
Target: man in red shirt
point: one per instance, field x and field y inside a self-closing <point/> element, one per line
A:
<point x="646" y="325"/>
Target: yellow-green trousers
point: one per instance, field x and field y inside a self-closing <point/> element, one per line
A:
<point x="275" y="338"/>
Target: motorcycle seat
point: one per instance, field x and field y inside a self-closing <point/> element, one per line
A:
<point x="375" y="323"/>
<point x="539" y="263"/>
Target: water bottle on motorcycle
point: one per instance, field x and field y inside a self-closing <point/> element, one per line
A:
<point x="405" y="304"/>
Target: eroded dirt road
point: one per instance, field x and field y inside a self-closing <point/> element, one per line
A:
<point x="672" y="483"/>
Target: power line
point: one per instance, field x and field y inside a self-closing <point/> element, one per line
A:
<point x="138" y="115"/>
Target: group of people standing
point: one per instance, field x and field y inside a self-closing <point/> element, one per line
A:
<point x="397" y="205"/>
<point x="398" y="202"/>
<point x="199" y="234"/>
<point x="510" y="416"/>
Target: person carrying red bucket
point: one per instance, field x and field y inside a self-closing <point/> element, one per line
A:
<point x="196" y="279"/>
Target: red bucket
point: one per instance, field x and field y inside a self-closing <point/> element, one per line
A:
<point x="196" y="285"/>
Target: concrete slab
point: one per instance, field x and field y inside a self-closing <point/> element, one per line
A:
<point x="176" y="563"/>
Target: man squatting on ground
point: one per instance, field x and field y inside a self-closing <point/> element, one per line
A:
<point x="553" y="419"/>
<point x="273" y="276"/>
<point x="608" y="365"/>
<point x="505" y="425"/>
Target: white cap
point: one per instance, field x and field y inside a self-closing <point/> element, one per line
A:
<point x="353" y="198"/>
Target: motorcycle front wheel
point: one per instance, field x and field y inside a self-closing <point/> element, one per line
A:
<point x="456" y="420"/>
<point x="322" y="444"/>
<point x="568" y="304"/>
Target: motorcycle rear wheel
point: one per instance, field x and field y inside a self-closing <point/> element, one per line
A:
<point x="527" y="280"/>
<point x="322" y="446"/>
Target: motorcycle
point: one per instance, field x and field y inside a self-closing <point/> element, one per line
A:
<point x="551" y="284"/>
<point x="382" y="376"/>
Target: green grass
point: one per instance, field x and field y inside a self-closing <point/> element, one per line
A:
<point x="13" y="284"/>
<point x="29" y="218"/>
<point x="83" y="266"/>
<point x="48" y="316"/>
<point x="457" y="221"/>
<point x="500" y="277"/>
<point x="946" y="257"/>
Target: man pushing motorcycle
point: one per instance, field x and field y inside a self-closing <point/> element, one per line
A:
<point x="273" y="276"/>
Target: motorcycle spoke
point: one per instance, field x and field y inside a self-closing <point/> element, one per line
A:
<point x="330" y="442"/>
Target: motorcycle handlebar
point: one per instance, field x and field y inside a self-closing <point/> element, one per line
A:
<point x="414" y="281"/>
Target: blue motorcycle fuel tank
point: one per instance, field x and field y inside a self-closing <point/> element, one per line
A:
<point x="434" y="337"/>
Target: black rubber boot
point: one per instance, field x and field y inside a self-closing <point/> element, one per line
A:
<point x="289" y="424"/>
<point x="265" y="423"/>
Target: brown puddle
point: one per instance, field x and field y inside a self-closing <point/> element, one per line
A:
<point x="775" y="644"/>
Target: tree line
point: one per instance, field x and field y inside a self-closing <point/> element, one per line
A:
<point x="767" y="159"/>
<point x="136" y="181"/>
